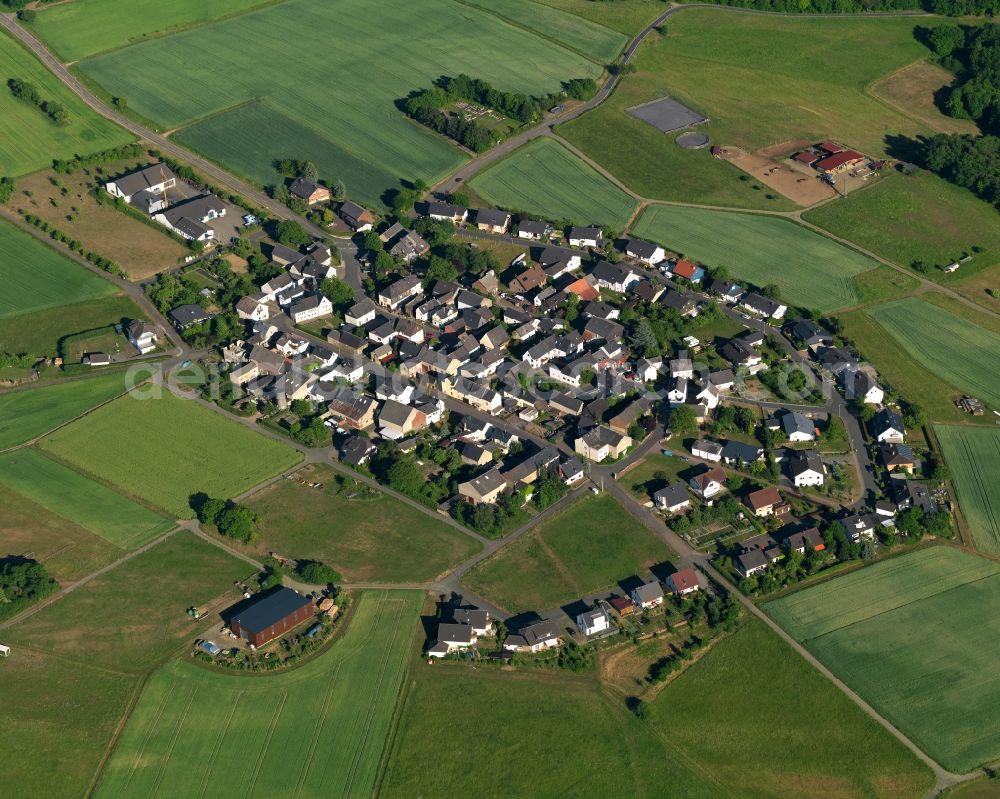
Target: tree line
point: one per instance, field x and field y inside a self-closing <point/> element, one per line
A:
<point x="950" y="8"/>
<point x="23" y="90"/>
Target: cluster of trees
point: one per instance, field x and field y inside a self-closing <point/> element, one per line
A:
<point x="580" y="88"/>
<point x="969" y="161"/>
<point x="170" y="290"/>
<point x="71" y="165"/>
<point x="7" y="188"/>
<point x="490" y="520"/>
<point x="549" y="488"/>
<point x="23" y="90"/>
<point x="308" y="429"/>
<point x="64" y="238"/>
<point x="315" y="572"/>
<point x="231" y="519"/>
<point x="22" y="581"/>
<point x="652" y="329"/>
<point x="952" y="8"/>
<point x="574" y="657"/>
<point x="661" y="669"/>
<point x="400" y="472"/>
<point x="20" y="360"/>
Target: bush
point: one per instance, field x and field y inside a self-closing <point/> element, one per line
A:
<point x="317" y="573"/>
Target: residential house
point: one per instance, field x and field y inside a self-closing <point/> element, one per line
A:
<point x="766" y="502"/>
<point x="726" y="289"/>
<point x="887" y="427"/>
<point x="353" y="410"/>
<point x="184" y="316"/>
<point x="806" y="468"/>
<point x="810" y="335"/>
<point x="691" y="272"/>
<point x="682" y="366"/>
<point x="393" y="295"/>
<point x="738" y="454"/>
<point x="838" y="360"/>
<point x="534" y="638"/>
<point x="602" y="443"/>
<point x="145" y="188"/>
<point x="532" y="230"/>
<point x="492" y="220"/>
<point x="409" y="247"/>
<point x="684" y="582"/>
<point x="478" y="620"/>
<point x="571" y="470"/>
<point x="482" y="398"/>
<point x="593" y="622"/>
<point x="397" y="420"/>
<point x="309" y="191"/>
<point x="495" y="338"/>
<point x="647" y="291"/>
<point x="707" y="450"/>
<point x="614" y="277"/>
<point x="623" y="420"/>
<point x="313" y="306"/>
<point x="861" y="386"/>
<point x="709" y="483"/>
<point x="361" y="313"/>
<point x="677" y="394"/>
<point x="740" y="354"/>
<point x="648" y="595"/>
<point x="798" y="427"/>
<point x="552" y="256"/>
<point x="709" y="396"/>
<point x="804" y="540"/>
<point x="253" y="307"/>
<point x="244" y="373"/>
<point x="623" y="605"/>
<point x="566" y="405"/>
<point x="356" y="450"/>
<point x="763" y="306"/>
<point x="602" y="330"/>
<point x="861" y="526"/>
<point x="484" y="489"/>
<point x="359" y="219"/>
<point x="672" y="498"/>
<point x="751" y="562"/>
<point x="190" y="218"/>
<point x="455" y="637"/>
<point x="897" y="456"/>
<point x="586" y="237"/>
<point x="529" y="280"/>
<point x="445" y="212"/>
<point x="645" y="251"/>
<point x="142" y="335"/>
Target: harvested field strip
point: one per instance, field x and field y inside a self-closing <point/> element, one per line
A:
<point x="974" y="459"/>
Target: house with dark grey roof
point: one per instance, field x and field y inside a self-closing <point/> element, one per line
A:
<point x="645" y="251"/>
<point x="532" y="230"/>
<point x="478" y="620"/>
<point x="309" y="190"/>
<point x="798" y="427"/>
<point x="648" y="595"/>
<point x="534" y="638"/>
<point x="593" y="622"/>
<point x="806" y="468"/>
<point x="672" y="498"/>
<point x="358" y="218"/>
<point x="586" y="237"/>
<point x="144" y="187"/>
<point x="735" y="453"/>
<point x="763" y="306"/>
<point x="269" y="615"/>
<point x="445" y="212"/>
<point x="184" y="316"/>
<point x="492" y="221"/>
<point x="887" y="426"/>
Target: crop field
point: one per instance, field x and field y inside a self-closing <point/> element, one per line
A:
<point x="133" y="617"/>
<point x="920" y="218"/>
<point x="706" y="736"/>
<point x="167" y="449"/>
<point x="628" y="17"/>
<point x="916" y="636"/>
<point x="318" y="730"/>
<point x="762" y="80"/>
<point x="65" y="715"/>
<point x="587" y="547"/>
<point x="545" y="178"/>
<point x="31" y="140"/>
<point x="811" y="270"/>
<point x="80" y="500"/>
<point x="86" y="27"/>
<point x="309" y="94"/>
<point x="378" y="539"/>
<point x="27" y="413"/>
<point x="974" y="459"/>
<point x="958" y="351"/>
<point x="913" y="89"/>
<point x="34" y="277"/>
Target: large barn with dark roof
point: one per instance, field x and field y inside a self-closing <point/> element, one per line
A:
<point x="272" y="614"/>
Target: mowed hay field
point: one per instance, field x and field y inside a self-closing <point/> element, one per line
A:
<point x="761" y="80"/>
<point x="133" y="617"/>
<point x="80" y="500"/>
<point x="588" y="547"/>
<point x="974" y="459"/>
<point x="341" y="86"/>
<point x="706" y="735"/>
<point x="811" y="270"/>
<point x="318" y="730"/>
<point x="545" y="178"/>
<point x="30" y="139"/>
<point x="962" y="353"/>
<point x="27" y="413"/>
<point x="918" y="636"/>
<point x="367" y="539"/>
<point x="164" y="450"/>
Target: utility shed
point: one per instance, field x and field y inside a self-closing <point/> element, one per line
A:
<point x="265" y="618"/>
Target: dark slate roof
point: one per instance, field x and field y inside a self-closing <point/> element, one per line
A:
<point x="491" y="216"/>
<point x="738" y="451"/>
<point x="270" y="609"/>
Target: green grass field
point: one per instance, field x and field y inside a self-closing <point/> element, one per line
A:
<point x="761" y="80"/>
<point x="316" y="731"/>
<point x="27" y="413"/>
<point x="366" y="540"/>
<point x="133" y="617"/>
<point x="310" y="92"/>
<point x="34" y="277"/>
<point x="545" y="178"/>
<point x="587" y="547"/>
<point x="958" y="351"/>
<point x="80" y="500"/>
<point x="165" y="450"/>
<point x="917" y="637"/>
<point x="85" y="27"/>
<point x="31" y="140"/>
<point x="974" y="459"/>
<point x="625" y="16"/>
<point x="707" y="736"/>
<point x="919" y="218"/>
<point x="811" y="270"/>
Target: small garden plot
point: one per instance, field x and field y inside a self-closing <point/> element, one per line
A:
<point x="974" y="459"/>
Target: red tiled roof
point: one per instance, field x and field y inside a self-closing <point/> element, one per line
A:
<point x="805" y="157"/>
<point x="834" y="161"/>
<point x="684" y="269"/>
<point x="764" y="498"/>
<point x="830" y="147"/>
<point x="685" y="579"/>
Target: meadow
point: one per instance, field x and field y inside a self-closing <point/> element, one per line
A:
<point x="27" y="413"/>
<point x="588" y="547"/>
<point x="80" y="500"/>
<point x="916" y="636"/>
<point x="133" y="617"/>
<point x="810" y="270"/>
<point x="706" y="735"/>
<point x="625" y="16"/>
<point x="546" y="179"/>
<point x="762" y="80"/>
<point x="310" y="92"/>
<point x="367" y="539"/>
<point x="956" y="350"/>
<point x="974" y="459"/>
<point x="317" y="730"/>
<point x="165" y="450"/>
<point x="34" y="277"/>
<point x="920" y="217"/>
<point x="31" y="140"/>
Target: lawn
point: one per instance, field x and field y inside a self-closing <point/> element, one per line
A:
<point x="919" y="217"/>
<point x="707" y="735"/>
<point x="133" y="617"/>
<point x="31" y="140"/>
<point x="812" y="271"/>
<point x="640" y="480"/>
<point x="308" y="94"/>
<point x="27" y="413"/>
<point x="80" y="500"/>
<point x="884" y="283"/>
<point x="377" y="539"/>
<point x="86" y="27"/>
<point x="974" y="459"/>
<point x="34" y="277"/>
<point x="66" y="201"/>
<point x="165" y="450"/>
<point x="546" y="179"/>
<point x="319" y="730"/>
<point x="67" y="551"/>
<point x="762" y="80"/>
<point x="65" y="715"/>
<point x="917" y="636"/>
<point x="588" y="547"/>
<point x="958" y="351"/>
